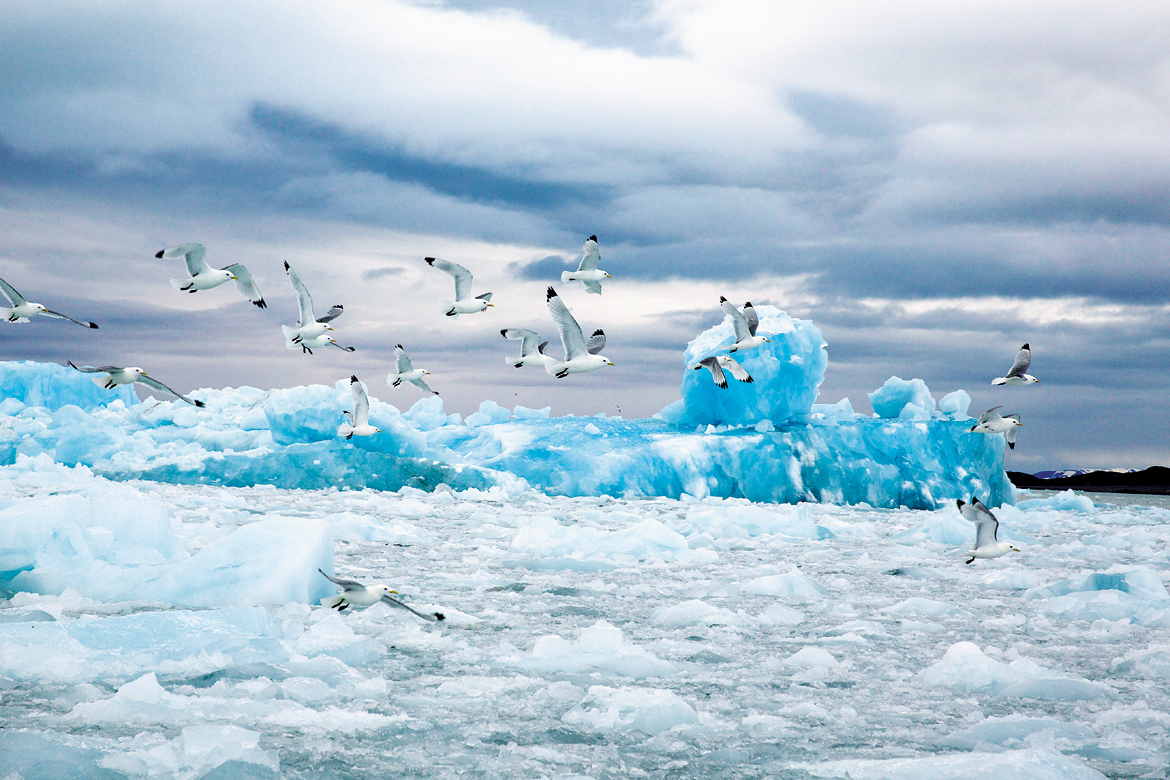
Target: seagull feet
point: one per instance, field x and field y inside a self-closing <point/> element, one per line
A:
<point x="305" y="350"/>
<point x="562" y="374"/>
<point x="969" y="562"/>
<point x="397" y="382"/>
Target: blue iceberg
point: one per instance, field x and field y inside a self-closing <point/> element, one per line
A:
<point x="765" y="441"/>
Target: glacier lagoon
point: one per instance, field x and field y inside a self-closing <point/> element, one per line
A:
<point x="739" y="588"/>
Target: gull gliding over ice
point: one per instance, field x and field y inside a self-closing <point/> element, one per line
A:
<point x="579" y="356"/>
<point x="21" y="310"/>
<point x="404" y="371"/>
<point x="992" y="421"/>
<point x="117" y="375"/>
<point x="308" y="326"/>
<point x="531" y="353"/>
<point x="986" y="531"/>
<point x="204" y="277"/>
<point x="1019" y="374"/>
<point x="353" y="592"/>
<point x="717" y="363"/>
<point x="587" y="272"/>
<point x="745" y="323"/>
<point x="359" y="418"/>
<point x="463" y="304"/>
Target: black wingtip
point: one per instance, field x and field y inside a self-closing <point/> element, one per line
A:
<point x="260" y="304"/>
<point x="748" y="305"/>
<point x="160" y="253"/>
<point x="430" y="260"/>
<point x="400" y="347"/>
<point x="440" y="616"/>
<point x="722" y="299"/>
<point x="504" y="332"/>
<point x="198" y="403"/>
<point x="92" y="325"/>
<point x="353" y="379"/>
<point x="550" y="294"/>
<point x="599" y="332"/>
<point x="1026" y="347"/>
<point x="593" y="238"/>
<point x="959" y="503"/>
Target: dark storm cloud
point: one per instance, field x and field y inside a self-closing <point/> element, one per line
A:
<point x="545" y="269"/>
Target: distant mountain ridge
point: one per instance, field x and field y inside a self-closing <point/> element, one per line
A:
<point x="1155" y="480"/>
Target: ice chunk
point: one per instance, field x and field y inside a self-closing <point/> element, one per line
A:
<point x="792" y="584"/>
<point x="601" y="646"/>
<point x="1068" y="500"/>
<point x="489" y="413"/>
<point x="1016" y="729"/>
<point x="544" y="543"/>
<point x="921" y="607"/>
<point x="524" y="413"/>
<point x="810" y="657"/>
<point x="966" y="668"/>
<point x="1141" y="583"/>
<point x="53" y="386"/>
<point x="739" y="522"/>
<point x="955" y="404"/>
<point x="647" y="710"/>
<point x="892" y="398"/>
<point x="1152" y="663"/>
<point x="692" y="612"/>
<point x="786" y="374"/>
<point x="1035" y="764"/>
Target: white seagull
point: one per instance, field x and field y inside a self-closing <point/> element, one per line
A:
<point x="992" y="421"/>
<point x="204" y="277"/>
<point x="1019" y="374"/>
<point x="21" y="310"/>
<point x="588" y="272"/>
<point x="986" y="530"/>
<point x="353" y="592"/>
<point x="717" y="363"/>
<point x="531" y="353"/>
<point x="308" y="326"/>
<point x="745" y="323"/>
<point x="359" y="418"/>
<point x="404" y="371"/>
<point x="579" y="356"/>
<point x="463" y="304"/>
<point x="117" y="375"/>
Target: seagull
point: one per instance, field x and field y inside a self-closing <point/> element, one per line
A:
<point x="745" y="324"/>
<point x="324" y="340"/>
<point x="531" y="353"/>
<point x="1018" y="375"/>
<point x="404" y="371"/>
<point x="353" y="592"/>
<point x="204" y="277"/>
<point x="463" y="304"/>
<point x="128" y="376"/>
<point x="308" y="326"/>
<point x="579" y="356"/>
<point x="992" y="421"/>
<point x="359" y="418"/>
<point x="22" y="310"/>
<point x="588" y="272"/>
<point x="986" y="529"/>
<point x="717" y="363"/>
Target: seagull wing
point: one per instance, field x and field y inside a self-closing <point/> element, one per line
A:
<point x="461" y="274"/>
<point x="61" y="316"/>
<point x="157" y="385"/>
<point x="1023" y="361"/>
<point x="421" y="385"/>
<point x="13" y="296"/>
<point x="247" y="286"/>
<point x="712" y="364"/>
<point x="95" y="370"/>
<point x="1010" y="435"/>
<point x="592" y="287"/>
<point x="303" y="296"/>
<point x="336" y="311"/>
<point x="738" y="321"/>
<point x="753" y="319"/>
<point x="986" y="525"/>
<point x="402" y="363"/>
<point x="591" y="256"/>
<point x="571" y="338"/>
<point x="737" y="371"/>
<point x="990" y="414"/>
<point x="432" y="617"/>
<point x="596" y="342"/>
<point x="361" y="403"/>
<point x="528" y="339"/>
<point x="192" y="253"/>
<point x="346" y="584"/>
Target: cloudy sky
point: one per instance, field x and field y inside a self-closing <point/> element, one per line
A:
<point x="932" y="183"/>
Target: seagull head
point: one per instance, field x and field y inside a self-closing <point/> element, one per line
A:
<point x="767" y="340"/>
<point x="39" y="307"/>
<point x="607" y="276"/>
<point x="328" y="327"/>
<point x="608" y="362"/>
<point x="1016" y="422"/>
<point x="426" y="372"/>
<point x="233" y="276"/>
<point x="381" y="590"/>
<point x="1016" y="549"/>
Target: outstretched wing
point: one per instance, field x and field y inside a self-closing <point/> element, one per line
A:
<point x="712" y="364"/>
<point x="61" y="316"/>
<point x="434" y="617"/>
<point x="157" y="385"/>
<point x="402" y="363"/>
<point x="990" y="414"/>
<point x="421" y="385"/>
<point x="361" y="403"/>
<point x="591" y="256"/>
<point x="345" y="584"/>
<point x="246" y="286"/>
<point x="737" y="371"/>
<point x="1010" y="435"/>
<point x="596" y="342"/>
<point x="192" y="253"/>
<point x="1023" y="361"/>
<point x="303" y="297"/>
<point x="738" y="321"/>
<point x="95" y="370"/>
<point x="527" y="339"/>
<point x="13" y="296"/>
<point x="592" y="287"/>
<point x="461" y="274"/>
<point x="753" y="319"/>
<point x="987" y="526"/>
<point x="336" y="311"/>
<point x="571" y="338"/>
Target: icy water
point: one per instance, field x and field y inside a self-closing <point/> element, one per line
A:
<point x="616" y="638"/>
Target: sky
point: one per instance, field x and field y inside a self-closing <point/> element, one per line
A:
<point x="933" y="184"/>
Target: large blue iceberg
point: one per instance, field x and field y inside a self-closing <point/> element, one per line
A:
<point x="765" y="441"/>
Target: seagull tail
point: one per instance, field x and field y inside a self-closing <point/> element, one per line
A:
<point x="565" y="276"/>
<point x="448" y="308"/>
<point x="550" y="364"/>
<point x="345" y="430"/>
<point x="999" y="381"/>
<point x="180" y="284"/>
<point x="288" y="336"/>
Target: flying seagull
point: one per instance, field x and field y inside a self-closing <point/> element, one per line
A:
<point x="531" y="353"/>
<point x="1019" y="374"/>
<point x="992" y="421"/>
<point x="986" y="530"/>
<point x="324" y="340"/>
<point x="718" y="363"/>
<point x="745" y="323"/>
<point x="579" y="358"/>
<point x="588" y="272"/>
<point x="128" y="376"/>
<point x="463" y="304"/>
<point x="353" y="592"/>
<point x="204" y="277"/>
<point x="404" y="371"/>
<point x="359" y="418"/>
<point x="308" y="326"/>
<point x="22" y="310"/>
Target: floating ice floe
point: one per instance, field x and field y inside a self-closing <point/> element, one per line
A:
<point x="601" y="646"/>
<point x="647" y="710"/>
<point x="966" y="668"/>
<point x="1036" y="764"/>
